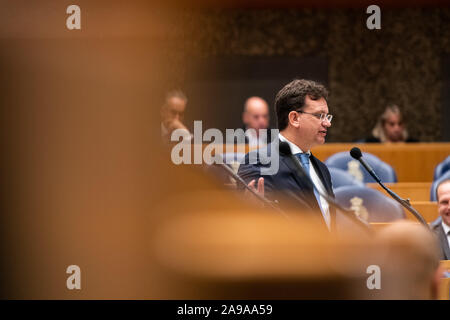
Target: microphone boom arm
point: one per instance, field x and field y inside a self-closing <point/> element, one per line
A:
<point x="404" y="202"/>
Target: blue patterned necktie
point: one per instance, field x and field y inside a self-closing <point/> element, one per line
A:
<point x="304" y="160"/>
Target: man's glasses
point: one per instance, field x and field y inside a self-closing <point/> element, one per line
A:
<point x="320" y="116"/>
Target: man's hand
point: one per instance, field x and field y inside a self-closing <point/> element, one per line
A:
<point x="260" y="188"/>
<point x="174" y="124"/>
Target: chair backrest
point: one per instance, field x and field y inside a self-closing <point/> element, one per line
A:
<point x="441" y="168"/>
<point x="434" y="185"/>
<point x="343" y="161"/>
<point x="370" y="205"/>
<point x="340" y="178"/>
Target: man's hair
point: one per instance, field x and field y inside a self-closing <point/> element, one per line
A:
<point x="440" y="184"/>
<point x="253" y="98"/>
<point x="292" y="97"/>
<point x="175" y="94"/>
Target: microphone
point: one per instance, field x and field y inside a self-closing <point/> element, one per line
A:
<point x="240" y="181"/>
<point x="356" y="154"/>
<point x="286" y="149"/>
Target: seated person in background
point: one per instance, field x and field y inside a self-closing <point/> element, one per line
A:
<point x="172" y="115"/>
<point x="256" y="116"/>
<point x="442" y="229"/>
<point x="390" y="127"/>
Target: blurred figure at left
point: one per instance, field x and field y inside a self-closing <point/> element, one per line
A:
<point x="172" y="115"/>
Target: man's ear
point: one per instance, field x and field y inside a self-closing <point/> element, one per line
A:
<point x="294" y="119"/>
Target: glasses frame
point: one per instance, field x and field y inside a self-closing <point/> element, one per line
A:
<point x="321" y="116"/>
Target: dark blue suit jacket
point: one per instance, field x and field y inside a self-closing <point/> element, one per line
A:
<point x="287" y="187"/>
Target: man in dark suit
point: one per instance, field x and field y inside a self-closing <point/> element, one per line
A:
<point x="303" y="120"/>
<point x="442" y="229"/>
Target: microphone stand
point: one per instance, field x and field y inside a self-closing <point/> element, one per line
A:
<point x="349" y="213"/>
<point x="404" y="202"/>
<point x="284" y="148"/>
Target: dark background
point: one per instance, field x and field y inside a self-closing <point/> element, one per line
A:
<point x="83" y="181"/>
<point x="228" y="82"/>
<point x="257" y="50"/>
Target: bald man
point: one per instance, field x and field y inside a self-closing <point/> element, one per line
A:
<point x="442" y="229"/>
<point x="256" y="117"/>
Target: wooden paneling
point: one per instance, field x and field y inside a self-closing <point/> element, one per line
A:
<point x="428" y="209"/>
<point x="413" y="162"/>
<point x="414" y="191"/>
<point x="444" y="285"/>
<point x="379" y="225"/>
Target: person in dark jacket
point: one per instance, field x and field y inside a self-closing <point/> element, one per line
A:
<point x="303" y="120"/>
<point x="390" y="128"/>
<point x="442" y="230"/>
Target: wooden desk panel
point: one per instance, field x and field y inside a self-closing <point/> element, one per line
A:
<point x="415" y="191"/>
<point x="428" y="209"/>
<point x="413" y="162"/>
<point x="444" y="289"/>
<point x="444" y="285"/>
<point x="379" y="225"/>
<point x="445" y="264"/>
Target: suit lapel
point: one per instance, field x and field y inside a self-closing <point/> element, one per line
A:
<point x="306" y="192"/>
<point x="310" y="198"/>
<point x="293" y="169"/>
<point x="444" y="243"/>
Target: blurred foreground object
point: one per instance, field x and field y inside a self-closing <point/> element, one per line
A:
<point x="413" y="255"/>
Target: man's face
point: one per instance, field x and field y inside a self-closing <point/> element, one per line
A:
<point x="393" y="128"/>
<point x="311" y="130"/>
<point x="174" y="110"/>
<point x="256" y="115"/>
<point x="443" y="195"/>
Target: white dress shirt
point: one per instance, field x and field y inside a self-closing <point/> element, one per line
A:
<point x="315" y="179"/>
